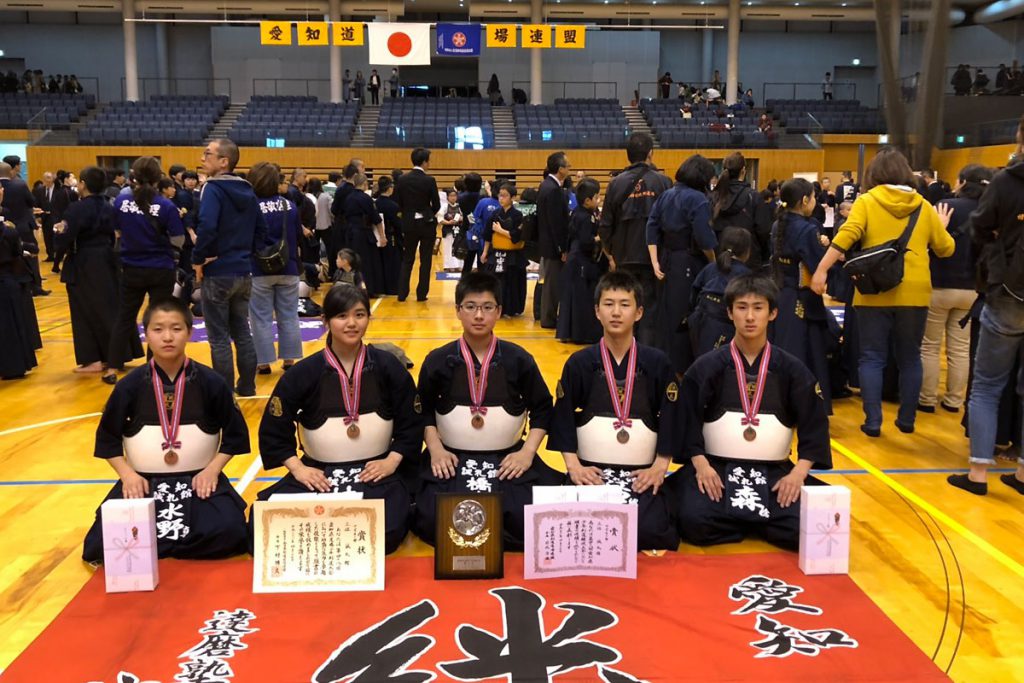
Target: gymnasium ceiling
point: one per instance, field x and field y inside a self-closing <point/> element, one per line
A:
<point x="555" y="10"/>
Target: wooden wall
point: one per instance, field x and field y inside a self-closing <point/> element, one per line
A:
<point x="446" y="165"/>
<point x="839" y="153"/>
<point x="13" y="135"/>
<point x="948" y="162"/>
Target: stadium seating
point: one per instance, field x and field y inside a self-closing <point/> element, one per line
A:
<point x="835" y="116"/>
<point x="571" y="122"/>
<point x="163" y="120"/>
<point x="59" y="110"/>
<point x="298" y="120"/>
<point x="451" y="123"/>
<point x="707" y="127"/>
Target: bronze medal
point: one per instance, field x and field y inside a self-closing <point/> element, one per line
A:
<point x="749" y="434"/>
<point x="351" y="390"/>
<point x="622" y="436"/>
<point x="477" y="422"/>
<point x="171" y="458"/>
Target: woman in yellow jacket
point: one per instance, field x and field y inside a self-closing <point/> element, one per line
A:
<point x="898" y="316"/>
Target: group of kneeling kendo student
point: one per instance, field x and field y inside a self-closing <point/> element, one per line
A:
<point x="482" y="408"/>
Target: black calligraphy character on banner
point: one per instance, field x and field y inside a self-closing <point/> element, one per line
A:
<point x="312" y="33"/>
<point x="205" y="671"/>
<point x="785" y="640"/>
<point x="501" y="35"/>
<point x="570" y="37"/>
<point x="236" y="622"/>
<point x="767" y="595"/>
<point x="537" y="36"/>
<point x="348" y="34"/>
<point x="381" y="652"/>
<point x="524" y="654"/>
<point x="276" y="33"/>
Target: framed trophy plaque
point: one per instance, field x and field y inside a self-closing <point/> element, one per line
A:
<point x="469" y="536"/>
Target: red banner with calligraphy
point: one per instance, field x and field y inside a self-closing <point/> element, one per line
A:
<point x="687" y="617"/>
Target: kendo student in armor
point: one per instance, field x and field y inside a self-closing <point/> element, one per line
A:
<point x="477" y="395"/>
<point x="616" y="420"/>
<point x="353" y="406"/>
<point x="168" y="429"/>
<point x="741" y="403"/>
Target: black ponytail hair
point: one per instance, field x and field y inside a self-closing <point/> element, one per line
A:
<point x="146" y="174"/>
<point x="791" y="195"/>
<point x="975" y="179"/>
<point x="734" y="246"/>
<point x="732" y="167"/>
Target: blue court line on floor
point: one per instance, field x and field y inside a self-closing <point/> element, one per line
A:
<point x="58" y="482"/>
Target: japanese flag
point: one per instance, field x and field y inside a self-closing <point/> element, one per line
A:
<point x="400" y="44"/>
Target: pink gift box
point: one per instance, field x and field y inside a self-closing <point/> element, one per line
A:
<point x="825" y="530"/>
<point x="129" y="545"/>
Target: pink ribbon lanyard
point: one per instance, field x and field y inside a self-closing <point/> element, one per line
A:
<point x="350" y="393"/>
<point x="477" y="386"/>
<point x="622" y="408"/>
<point x="169" y="429"/>
<point x="750" y="408"/>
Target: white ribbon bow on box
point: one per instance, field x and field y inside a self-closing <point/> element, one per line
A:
<point x="828" y="537"/>
<point x="127" y="546"/>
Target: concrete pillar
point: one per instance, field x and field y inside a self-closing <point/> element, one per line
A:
<point x="163" y="70"/>
<point x="732" y="69"/>
<point x="334" y="14"/>
<point x="536" y="59"/>
<point x="707" y="55"/>
<point x="131" y="55"/>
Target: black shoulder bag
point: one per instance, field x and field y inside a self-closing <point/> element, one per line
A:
<point x="880" y="268"/>
<point x="273" y="259"/>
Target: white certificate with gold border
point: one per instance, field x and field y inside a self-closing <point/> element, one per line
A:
<point x="318" y="545"/>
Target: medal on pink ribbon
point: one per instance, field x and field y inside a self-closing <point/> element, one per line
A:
<point x="622" y="408"/>
<point x="169" y="427"/>
<point x="750" y="407"/>
<point x="350" y="391"/>
<point x="477" y="385"/>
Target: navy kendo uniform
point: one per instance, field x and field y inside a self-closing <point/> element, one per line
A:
<point x="803" y="326"/>
<point x="515" y="394"/>
<point x="309" y="396"/>
<point x="709" y="324"/>
<point x="585" y="420"/>
<point x="211" y="423"/>
<point x="749" y="469"/>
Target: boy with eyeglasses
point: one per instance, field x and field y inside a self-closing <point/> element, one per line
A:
<point x="477" y="395"/>
<point x="615" y="419"/>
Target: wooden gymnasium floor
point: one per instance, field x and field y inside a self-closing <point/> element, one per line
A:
<point x="947" y="567"/>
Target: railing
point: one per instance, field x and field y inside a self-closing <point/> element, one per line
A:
<point x="980" y="134"/>
<point x="815" y="132"/>
<point x="148" y="87"/>
<point x="318" y="87"/>
<point x="807" y="91"/>
<point x="37" y="127"/>
<point x="90" y="86"/>
<point x="910" y="84"/>
<point x="652" y="89"/>
<point x="552" y="90"/>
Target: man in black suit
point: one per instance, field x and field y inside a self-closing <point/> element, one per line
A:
<point x="20" y="208"/>
<point x="552" y="234"/>
<point x="43" y="196"/>
<point x="416" y="194"/>
<point x="935" y="192"/>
